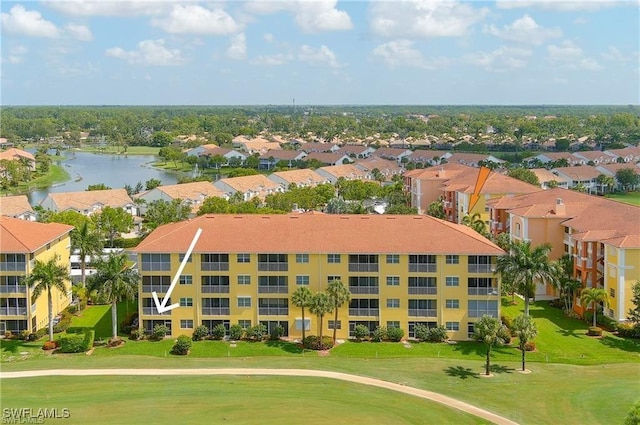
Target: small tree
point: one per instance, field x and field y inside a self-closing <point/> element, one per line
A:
<point x="525" y="329"/>
<point x="594" y="296"/>
<point x="634" y="313"/>
<point x="200" y="332"/>
<point x="338" y="295"/>
<point x="321" y="305"/>
<point x="302" y="298"/>
<point x="487" y="330"/>
<point x="182" y="345"/>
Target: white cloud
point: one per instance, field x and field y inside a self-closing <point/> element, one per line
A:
<point x="615" y="55"/>
<point x="501" y="59"/>
<point x="322" y="56"/>
<point x="310" y="16"/>
<point x="272" y="60"/>
<point x="560" y="5"/>
<point x="423" y="18"/>
<point x="194" y="19"/>
<point x="580" y="21"/>
<point x="268" y="37"/>
<point x="570" y="56"/>
<point x="79" y="32"/>
<point x="148" y="53"/>
<point x="524" y="30"/>
<point x="122" y="8"/>
<point x="237" y="49"/>
<point x="16" y="54"/>
<point x="401" y="53"/>
<point x="20" y="21"/>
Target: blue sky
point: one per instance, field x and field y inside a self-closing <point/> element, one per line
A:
<point x="148" y="52"/>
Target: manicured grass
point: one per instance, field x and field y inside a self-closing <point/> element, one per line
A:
<point x="629" y="197"/>
<point x="234" y="400"/>
<point x="98" y="317"/>
<point x="56" y="174"/>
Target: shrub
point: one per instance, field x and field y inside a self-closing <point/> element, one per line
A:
<point x="607" y="322"/>
<point x="200" y="332"/>
<point x="437" y="334"/>
<point x="360" y="332"/>
<point x="627" y="330"/>
<point x="50" y="345"/>
<point x="276" y="333"/>
<point x="506" y="320"/>
<point x="71" y="343"/>
<point x="312" y="342"/>
<point x="8" y="334"/>
<point x="182" y="345"/>
<point x="530" y="346"/>
<point x="159" y="332"/>
<point x="24" y="335"/>
<point x="72" y="309"/>
<point x="89" y="336"/>
<point x="395" y="334"/>
<point x="594" y="331"/>
<point x="115" y="342"/>
<point x="379" y="334"/>
<point x="421" y="332"/>
<point x="257" y="332"/>
<point x="633" y="417"/>
<point x="236" y="332"/>
<point x="505" y="334"/>
<point x="61" y="326"/>
<point x="127" y="323"/>
<point x="218" y="331"/>
<point x="136" y="334"/>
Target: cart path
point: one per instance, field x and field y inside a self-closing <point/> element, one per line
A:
<point x="429" y="395"/>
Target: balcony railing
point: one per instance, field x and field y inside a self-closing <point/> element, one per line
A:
<point x="364" y="312"/>
<point x="13" y="289"/>
<point x="217" y="266"/>
<point x="482" y="291"/>
<point x="364" y="289"/>
<point x="215" y="289"/>
<point x="355" y="267"/>
<point x="156" y="288"/>
<point x="273" y="267"/>
<point x="33" y="308"/>
<point x="273" y="289"/>
<point x="215" y="311"/>
<point x="422" y="268"/>
<point x="448" y="204"/>
<point x="496" y="225"/>
<point x="481" y="268"/>
<point x="423" y="290"/>
<point x="152" y="311"/>
<point x="13" y="311"/>
<point x="273" y="311"/>
<point x="13" y="267"/>
<point x="422" y="312"/>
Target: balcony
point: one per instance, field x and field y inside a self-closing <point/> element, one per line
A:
<point x="161" y="289"/>
<point x="215" y="311"/>
<point x="422" y="312"/>
<point x="13" y="289"/>
<point x="217" y="266"/>
<point x="355" y="267"/>
<point x="152" y="311"/>
<point x="33" y="308"/>
<point x="264" y="289"/>
<point x="364" y="289"/>
<point x="422" y="268"/>
<point x="482" y="291"/>
<point x="273" y="311"/>
<point x="273" y="267"/>
<point x="496" y="225"/>
<point x="13" y="311"/>
<point x="423" y="290"/>
<point x="448" y="204"/>
<point x="215" y="289"/>
<point x="13" y="267"/>
<point x="364" y="312"/>
<point x="480" y="268"/>
<point x="567" y="239"/>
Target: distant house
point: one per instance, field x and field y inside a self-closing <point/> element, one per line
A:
<point x="328" y="158"/>
<point x="14" y="154"/>
<point x="596" y="157"/>
<point x="387" y="167"/>
<point x="227" y="154"/>
<point x="610" y="170"/>
<point x="392" y="153"/>
<point x="319" y="147"/>
<point x="428" y="157"/>
<point x="473" y="159"/>
<point x="201" y="149"/>
<point x="250" y="186"/>
<point x="301" y="178"/>
<point x="356" y="151"/>
<point x="90" y="202"/>
<point x="269" y="159"/>
<point x="192" y="193"/>
<point x="585" y="175"/>
<point x="256" y="145"/>
<point x="347" y="171"/>
<point x="4" y="144"/>
<point x="547" y="157"/>
<point x="545" y="177"/>
<point x="628" y="154"/>
<point x="17" y="207"/>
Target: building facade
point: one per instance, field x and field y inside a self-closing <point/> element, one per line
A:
<point x="401" y="271"/>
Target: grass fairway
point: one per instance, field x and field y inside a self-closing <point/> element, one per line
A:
<point x="56" y="174"/>
<point x="232" y="400"/>
<point x="629" y="198"/>
<point x="98" y="317"/>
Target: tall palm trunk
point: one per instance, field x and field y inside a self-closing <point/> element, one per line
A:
<point x="335" y="325"/>
<point x="50" y="305"/>
<point x="114" y="319"/>
<point x="486" y="370"/>
<point x="526" y="305"/>
<point x="304" y="325"/>
<point x="321" y="330"/>
<point x="523" y="350"/>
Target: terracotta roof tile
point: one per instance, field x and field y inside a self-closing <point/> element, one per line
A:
<point x="22" y="236"/>
<point x="14" y="205"/>
<point x="81" y="201"/>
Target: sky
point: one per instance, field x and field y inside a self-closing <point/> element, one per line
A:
<point x="320" y="52"/>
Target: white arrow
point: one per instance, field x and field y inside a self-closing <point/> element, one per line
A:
<point x="162" y="307"/>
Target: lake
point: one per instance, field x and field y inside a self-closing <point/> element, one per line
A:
<point x="113" y="170"/>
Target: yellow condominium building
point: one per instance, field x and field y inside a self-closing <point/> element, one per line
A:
<point x="401" y="271"/>
<point x="21" y="243"/>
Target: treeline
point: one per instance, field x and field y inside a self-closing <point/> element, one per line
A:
<point x="137" y="125"/>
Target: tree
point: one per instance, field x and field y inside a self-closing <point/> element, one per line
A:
<point x="116" y="281"/>
<point x="525" y="265"/>
<point x="161" y="139"/>
<point x="338" y="295"/>
<point x="152" y="184"/>
<point x="162" y="212"/>
<point x="320" y="305"/>
<point x="525" y="175"/>
<point x="634" y="313"/>
<point x="605" y="183"/>
<point x="302" y="298"/>
<point x="594" y="296"/>
<point x="526" y="330"/>
<point x="44" y="277"/>
<point x="112" y="222"/>
<point x="627" y="178"/>
<point x="564" y="282"/>
<point x="87" y="241"/>
<point x="488" y="330"/>
<point x="476" y="223"/>
<point x="436" y="208"/>
<point x="98" y="186"/>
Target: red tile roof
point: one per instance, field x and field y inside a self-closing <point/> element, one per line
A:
<point x="22" y="236"/>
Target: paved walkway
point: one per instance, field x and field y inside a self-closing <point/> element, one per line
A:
<point x="429" y="395"/>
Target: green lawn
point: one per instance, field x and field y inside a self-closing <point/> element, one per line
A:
<point x="98" y="317"/>
<point x="629" y="198"/>
<point x="56" y="174"/>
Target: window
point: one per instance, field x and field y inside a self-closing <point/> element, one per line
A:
<point x="393" y="303"/>
<point x="273" y="306"/>
<point x="423" y="308"/>
<point x="393" y="324"/>
<point x="218" y="262"/>
<point x="245" y="324"/>
<point x="333" y="258"/>
<point x="331" y="278"/>
<point x="612" y="292"/>
<point x="156" y="283"/>
<point x="452" y="326"/>
<point x="302" y="258"/>
<point x="186" y="324"/>
<point x="363" y="263"/>
<point x="186" y="279"/>
<point x="181" y="257"/>
<point x="186" y="302"/>
<point x="412" y="327"/>
<point x="452" y="281"/>
<point x="364" y="307"/>
<point x="481" y="286"/>
<point x="272" y="262"/>
<point x="332" y="324"/>
<point x="307" y="324"/>
<point x="273" y="284"/>
<point x="393" y="259"/>
<point x="452" y="303"/>
<point x="518" y="229"/>
<point x="478" y="308"/>
<point x="453" y="259"/>
<point x="244" y="302"/>
<point x="244" y="279"/>
<point x="215" y="284"/>
<point x="470" y="330"/>
<point x="243" y="258"/>
<point x="156" y="262"/>
<point x="302" y="280"/>
<point x="422" y="263"/>
<point x="215" y="306"/>
<point x="423" y="285"/>
<point x="363" y="284"/>
<point x="393" y="280"/>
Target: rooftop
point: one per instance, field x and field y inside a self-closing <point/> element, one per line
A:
<point x="22" y="236"/>
<point x="14" y="205"/>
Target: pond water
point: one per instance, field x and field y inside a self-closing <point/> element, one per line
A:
<point x="114" y="171"/>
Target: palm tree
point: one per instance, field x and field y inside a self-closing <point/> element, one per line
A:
<point x="525" y="329"/>
<point x="475" y="222"/>
<point x="488" y="330"/>
<point x="525" y="264"/>
<point x="88" y="242"/>
<point x="595" y="296"/>
<point x="45" y="276"/>
<point x="116" y="281"/>
<point x="302" y="298"/>
<point x="321" y="305"/>
<point x="338" y="295"/>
